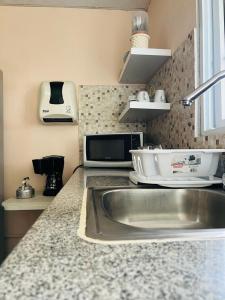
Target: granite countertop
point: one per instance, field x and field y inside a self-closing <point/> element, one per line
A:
<point x="52" y="262"/>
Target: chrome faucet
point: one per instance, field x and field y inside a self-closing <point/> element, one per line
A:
<point x="188" y="100"/>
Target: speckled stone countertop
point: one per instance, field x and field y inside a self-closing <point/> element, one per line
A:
<point x="52" y="262"/>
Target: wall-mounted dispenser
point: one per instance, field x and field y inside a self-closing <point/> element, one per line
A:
<point x="58" y="102"/>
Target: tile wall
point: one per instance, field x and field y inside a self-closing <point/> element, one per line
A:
<point x="176" y="129"/>
<point x="100" y="107"/>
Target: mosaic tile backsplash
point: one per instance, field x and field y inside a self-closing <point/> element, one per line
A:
<point x="100" y="107"/>
<point x="176" y="129"/>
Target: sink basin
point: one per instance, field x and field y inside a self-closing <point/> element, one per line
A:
<point x="142" y="213"/>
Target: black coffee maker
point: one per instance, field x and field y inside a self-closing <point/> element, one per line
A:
<point x="52" y="166"/>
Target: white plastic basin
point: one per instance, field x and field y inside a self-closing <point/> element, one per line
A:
<point x="176" y="162"/>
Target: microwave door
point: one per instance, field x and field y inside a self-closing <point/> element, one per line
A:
<point x="106" y="149"/>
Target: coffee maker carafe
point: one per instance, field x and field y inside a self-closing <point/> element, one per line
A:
<point x="52" y="166"/>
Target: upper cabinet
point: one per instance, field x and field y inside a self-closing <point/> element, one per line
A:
<point x="142" y="63"/>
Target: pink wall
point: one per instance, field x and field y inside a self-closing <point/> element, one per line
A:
<point x="85" y="46"/>
<point x="170" y="22"/>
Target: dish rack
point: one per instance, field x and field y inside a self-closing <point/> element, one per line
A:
<point x="176" y="167"/>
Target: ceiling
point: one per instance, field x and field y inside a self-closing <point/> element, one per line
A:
<point x="107" y="4"/>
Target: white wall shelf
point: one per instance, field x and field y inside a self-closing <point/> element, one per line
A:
<point x="136" y="111"/>
<point x="141" y="64"/>
<point x="39" y="202"/>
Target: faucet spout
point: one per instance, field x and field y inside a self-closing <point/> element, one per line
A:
<point x="188" y="100"/>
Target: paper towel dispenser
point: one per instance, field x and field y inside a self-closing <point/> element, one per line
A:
<point x="58" y="102"/>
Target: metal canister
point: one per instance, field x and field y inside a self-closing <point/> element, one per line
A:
<point x="25" y="191"/>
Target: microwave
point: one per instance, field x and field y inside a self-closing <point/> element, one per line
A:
<point x="111" y="150"/>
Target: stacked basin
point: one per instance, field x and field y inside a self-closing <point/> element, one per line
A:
<point x="175" y="163"/>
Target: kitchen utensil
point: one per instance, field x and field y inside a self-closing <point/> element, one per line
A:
<point x="143" y="96"/>
<point x="140" y="22"/>
<point x="160" y="96"/>
<point x="176" y="163"/>
<point x="52" y="166"/>
<point x="140" y="40"/>
<point x="132" y="98"/>
<point x="25" y="191"/>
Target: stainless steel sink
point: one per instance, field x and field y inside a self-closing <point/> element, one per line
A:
<point x="140" y="213"/>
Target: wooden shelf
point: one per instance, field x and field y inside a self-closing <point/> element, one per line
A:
<point x="142" y="63"/>
<point x="136" y="111"/>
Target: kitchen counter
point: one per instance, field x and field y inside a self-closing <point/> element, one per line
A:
<point x="52" y="262"/>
